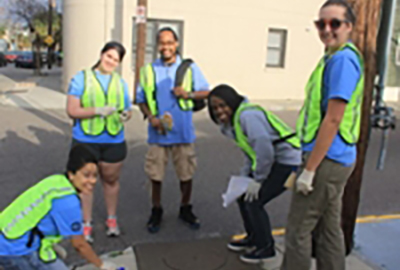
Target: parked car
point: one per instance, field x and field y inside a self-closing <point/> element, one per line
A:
<point x="3" y="60"/>
<point x="26" y="60"/>
<point x="12" y="55"/>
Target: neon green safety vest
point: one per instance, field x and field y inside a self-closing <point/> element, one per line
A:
<point x="25" y="212"/>
<point x="286" y="134"/>
<point x="94" y="96"/>
<point x="311" y="115"/>
<point x="149" y="85"/>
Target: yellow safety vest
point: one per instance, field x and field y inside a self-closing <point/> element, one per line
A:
<point x="94" y="96"/>
<point x="148" y="83"/>
<point x="311" y="116"/>
<point x="25" y="212"/>
<point x="286" y="134"/>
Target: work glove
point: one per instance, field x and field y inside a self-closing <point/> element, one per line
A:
<point x="61" y="252"/>
<point x="104" y="111"/>
<point x="124" y="116"/>
<point x="304" y="182"/>
<point x="108" y="266"/>
<point x="252" y="191"/>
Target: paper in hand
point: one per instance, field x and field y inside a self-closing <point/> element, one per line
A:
<point x="237" y="187"/>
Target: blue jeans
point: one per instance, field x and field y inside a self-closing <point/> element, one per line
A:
<point x="30" y="261"/>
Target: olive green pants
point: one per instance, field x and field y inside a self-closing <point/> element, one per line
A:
<point x="319" y="213"/>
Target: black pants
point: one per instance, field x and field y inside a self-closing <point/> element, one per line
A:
<point x="255" y="217"/>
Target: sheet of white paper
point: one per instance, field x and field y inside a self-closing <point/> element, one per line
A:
<point x="237" y="187"/>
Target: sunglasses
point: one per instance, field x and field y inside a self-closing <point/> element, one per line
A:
<point x="334" y="24"/>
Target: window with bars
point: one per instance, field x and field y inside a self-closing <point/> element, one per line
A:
<point x="152" y="27"/>
<point x="276" y="48"/>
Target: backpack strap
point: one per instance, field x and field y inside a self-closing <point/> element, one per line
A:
<point x="181" y="71"/>
<point x="284" y="139"/>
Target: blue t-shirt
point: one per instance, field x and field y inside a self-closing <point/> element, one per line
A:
<point x="76" y="88"/>
<point x="341" y="76"/>
<point x="183" y="128"/>
<point x="64" y="219"/>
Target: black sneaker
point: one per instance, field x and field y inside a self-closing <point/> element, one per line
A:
<point x="153" y="225"/>
<point x="257" y="255"/>
<point x="187" y="216"/>
<point x="240" y="245"/>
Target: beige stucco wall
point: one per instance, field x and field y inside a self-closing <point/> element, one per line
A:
<point x="227" y="38"/>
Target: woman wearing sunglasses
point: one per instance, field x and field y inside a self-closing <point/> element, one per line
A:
<point x="328" y="127"/>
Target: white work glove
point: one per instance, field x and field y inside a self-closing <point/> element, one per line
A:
<point x="61" y="252"/>
<point x="124" y="116"/>
<point x="104" y="111"/>
<point x="108" y="266"/>
<point x="304" y="182"/>
<point x="252" y="191"/>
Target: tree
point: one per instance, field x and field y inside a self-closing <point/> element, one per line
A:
<point x="27" y="11"/>
<point x="40" y="22"/>
<point x="365" y="37"/>
<point x="2" y="30"/>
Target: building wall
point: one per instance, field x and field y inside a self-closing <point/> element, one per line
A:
<point x="227" y="38"/>
<point x="393" y="73"/>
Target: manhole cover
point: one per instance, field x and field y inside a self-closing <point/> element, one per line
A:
<point x="199" y="258"/>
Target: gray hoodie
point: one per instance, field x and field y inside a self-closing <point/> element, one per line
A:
<point x="260" y="135"/>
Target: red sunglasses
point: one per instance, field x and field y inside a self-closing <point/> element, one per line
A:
<point x="334" y="24"/>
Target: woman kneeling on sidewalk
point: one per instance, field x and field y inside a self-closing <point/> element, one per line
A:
<point x="33" y="224"/>
<point x="272" y="154"/>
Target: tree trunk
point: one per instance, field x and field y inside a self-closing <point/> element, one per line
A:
<point x="36" y="55"/>
<point x="364" y="36"/>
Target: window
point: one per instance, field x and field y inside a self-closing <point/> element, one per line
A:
<point x="153" y="25"/>
<point x="276" y="48"/>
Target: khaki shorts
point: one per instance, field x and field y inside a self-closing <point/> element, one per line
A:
<point x="183" y="157"/>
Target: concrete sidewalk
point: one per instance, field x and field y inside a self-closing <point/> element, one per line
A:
<point x="125" y="259"/>
<point x="208" y="254"/>
<point x="354" y="261"/>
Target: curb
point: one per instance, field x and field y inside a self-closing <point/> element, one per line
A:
<point x="25" y="84"/>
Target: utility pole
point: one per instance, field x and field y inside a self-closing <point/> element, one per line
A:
<point x="50" y="33"/>
<point x="141" y="18"/>
<point x="365" y="37"/>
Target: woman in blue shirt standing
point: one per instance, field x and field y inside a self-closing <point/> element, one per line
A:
<point x="329" y="128"/>
<point x="99" y="104"/>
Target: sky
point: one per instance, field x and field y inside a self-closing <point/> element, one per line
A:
<point x="3" y="9"/>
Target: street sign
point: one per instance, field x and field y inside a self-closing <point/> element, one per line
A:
<point x="49" y="40"/>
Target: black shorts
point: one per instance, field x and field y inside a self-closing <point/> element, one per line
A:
<point x="106" y="152"/>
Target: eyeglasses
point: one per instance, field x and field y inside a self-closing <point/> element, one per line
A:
<point x="334" y="24"/>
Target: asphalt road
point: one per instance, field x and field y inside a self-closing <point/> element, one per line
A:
<point x="34" y="144"/>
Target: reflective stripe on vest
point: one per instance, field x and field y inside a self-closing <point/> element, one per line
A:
<point x="25" y="212"/>
<point x="280" y="127"/>
<point x="149" y="85"/>
<point x="94" y="96"/>
<point x="311" y="114"/>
